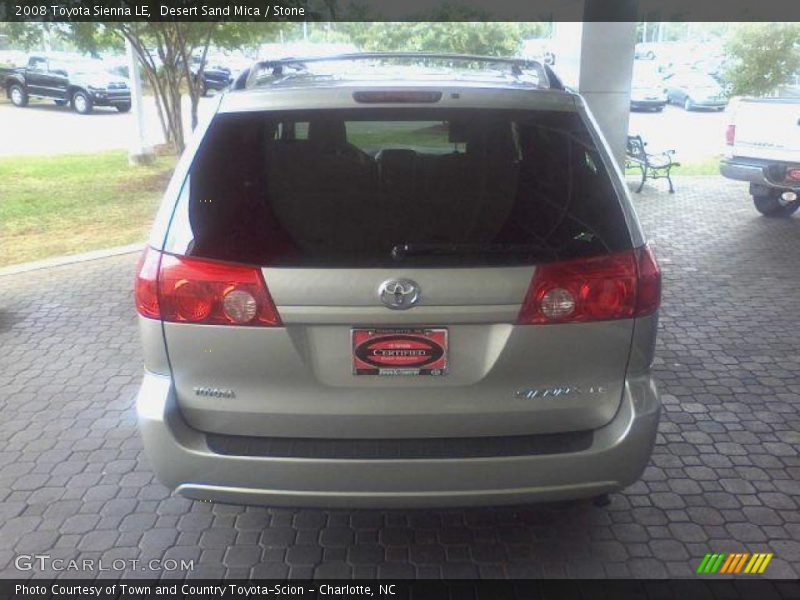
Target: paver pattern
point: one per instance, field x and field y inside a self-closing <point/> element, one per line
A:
<point x="724" y="477"/>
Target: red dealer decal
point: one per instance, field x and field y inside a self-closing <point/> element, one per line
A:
<point x="399" y="351"/>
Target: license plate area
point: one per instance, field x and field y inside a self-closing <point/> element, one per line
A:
<point x="399" y="352"/>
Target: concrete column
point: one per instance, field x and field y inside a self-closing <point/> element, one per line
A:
<point x="139" y="152"/>
<point x="596" y="59"/>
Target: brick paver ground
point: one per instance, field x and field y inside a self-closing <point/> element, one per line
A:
<point x="725" y="475"/>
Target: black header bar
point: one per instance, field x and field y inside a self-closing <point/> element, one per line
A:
<point x="400" y="10"/>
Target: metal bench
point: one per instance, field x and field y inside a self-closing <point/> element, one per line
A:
<point x="652" y="166"/>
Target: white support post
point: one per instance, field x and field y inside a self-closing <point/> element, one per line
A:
<point x="138" y="152"/>
<point x="596" y="59"/>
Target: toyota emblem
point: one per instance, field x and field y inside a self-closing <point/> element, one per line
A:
<point x="399" y="294"/>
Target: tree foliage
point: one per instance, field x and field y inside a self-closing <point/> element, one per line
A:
<point x="466" y="37"/>
<point x="762" y="56"/>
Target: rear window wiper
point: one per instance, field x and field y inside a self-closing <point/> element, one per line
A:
<point x="401" y="251"/>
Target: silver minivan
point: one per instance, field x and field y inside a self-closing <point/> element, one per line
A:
<point x="397" y="281"/>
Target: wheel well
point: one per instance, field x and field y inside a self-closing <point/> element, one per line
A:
<point x="11" y="83"/>
<point x="71" y="91"/>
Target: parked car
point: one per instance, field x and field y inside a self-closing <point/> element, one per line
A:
<point x="81" y="83"/>
<point x="647" y="88"/>
<point x="763" y="148"/>
<point x="381" y="290"/>
<point x="693" y="90"/>
<point x="215" y="75"/>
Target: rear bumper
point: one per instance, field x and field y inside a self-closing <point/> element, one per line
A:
<point x="756" y="173"/>
<point x="182" y="460"/>
<point x="709" y="103"/>
<point x="648" y="104"/>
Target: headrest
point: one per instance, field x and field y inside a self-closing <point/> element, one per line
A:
<point x="492" y="139"/>
<point x="327" y="133"/>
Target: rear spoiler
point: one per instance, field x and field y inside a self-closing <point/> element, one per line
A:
<point x="517" y="66"/>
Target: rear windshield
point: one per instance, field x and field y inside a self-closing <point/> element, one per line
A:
<point x="387" y="187"/>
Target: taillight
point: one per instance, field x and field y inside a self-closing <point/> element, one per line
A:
<point x="730" y="134"/>
<point x="617" y="286"/>
<point x="191" y="290"/>
<point x="146" y="284"/>
<point x="648" y="297"/>
<point x="793" y="174"/>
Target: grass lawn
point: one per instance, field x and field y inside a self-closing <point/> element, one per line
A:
<point x="709" y="166"/>
<point x="54" y="205"/>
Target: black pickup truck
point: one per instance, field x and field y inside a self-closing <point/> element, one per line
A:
<point x="81" y="83"/>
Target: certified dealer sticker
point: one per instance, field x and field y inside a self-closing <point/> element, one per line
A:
<point x="399" y="351"/>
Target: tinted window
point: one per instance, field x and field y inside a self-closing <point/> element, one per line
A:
<point x="37" y="64"/>
<point x="378" y="187"/>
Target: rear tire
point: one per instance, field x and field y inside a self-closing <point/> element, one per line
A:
<point x="123" y="108"/>
<point x="19" y="97"/>
<point x="688" y="104"/>
<point x="771" y="205"/>
<point x="60" y="102"/>
<point x="81" y="103"/>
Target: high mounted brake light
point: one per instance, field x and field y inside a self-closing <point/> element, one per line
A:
<point x="618" y="286"/>
<point x="397" y="97"/>
<point x="190" y="290"/>
<point x="793" y="174"/>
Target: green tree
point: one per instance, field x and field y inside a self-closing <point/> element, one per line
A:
<point x="762" y="56"/>
<point x="466" y="37"/>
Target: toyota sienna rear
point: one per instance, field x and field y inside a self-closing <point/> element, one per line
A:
<point x="397" y="286"/>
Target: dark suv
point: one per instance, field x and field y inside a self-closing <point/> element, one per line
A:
<point x="82" y="83"/>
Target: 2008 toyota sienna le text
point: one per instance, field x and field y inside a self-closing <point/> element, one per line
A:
<point x="396" y="281"/>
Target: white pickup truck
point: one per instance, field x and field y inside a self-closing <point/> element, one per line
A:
<point x="763" y="148"/>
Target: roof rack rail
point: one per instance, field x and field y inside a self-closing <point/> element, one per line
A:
<point x="518" y="66"/>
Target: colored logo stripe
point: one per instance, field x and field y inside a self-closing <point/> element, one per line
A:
<point x="710" y="563"/>
<point x="732" y="560"/>
<point x="758" y="563"/>
<point x="704" y="564"/>
<point x="740" y="563"/>
<point x="734" y="563"/>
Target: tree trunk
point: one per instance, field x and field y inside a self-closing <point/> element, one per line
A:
<point x="159" y="81"/>
<point x="167" y="70"/>
<point x="195" y="84"/>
